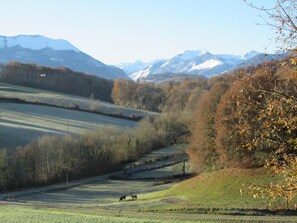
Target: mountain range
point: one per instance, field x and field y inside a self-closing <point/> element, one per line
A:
<point x="49" y="52"/>
<point x="194" y="62"/>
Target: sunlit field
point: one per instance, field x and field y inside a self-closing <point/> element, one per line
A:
<point x="19" y="214"/>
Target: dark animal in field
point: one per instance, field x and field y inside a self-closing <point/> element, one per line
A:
<point x="122" y="198"/>
<point x="133" y="196"/>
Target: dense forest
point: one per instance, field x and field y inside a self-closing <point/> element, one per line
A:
<point x="160" y="97"/>
<point x="246" y="121"/>
<point x="57" y="79"/>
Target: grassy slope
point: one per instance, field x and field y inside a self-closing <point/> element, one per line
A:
<point x="66" y="100"/>
<point x="216" y="190"/>
<point x="20" y="123"/>
<point x="220" y="189"/>
<point x="207" y="192"/>
<point x="17" y="214"/>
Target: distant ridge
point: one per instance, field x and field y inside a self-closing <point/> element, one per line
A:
<point x="49" y="52"/>
<point x="198" y="62"/>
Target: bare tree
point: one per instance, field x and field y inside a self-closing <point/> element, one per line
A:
<point x="283" y="18"/>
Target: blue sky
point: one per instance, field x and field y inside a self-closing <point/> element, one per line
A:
<point x="115" y="31"/>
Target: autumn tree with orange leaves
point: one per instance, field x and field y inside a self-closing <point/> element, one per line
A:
<point x="278" y="114"/>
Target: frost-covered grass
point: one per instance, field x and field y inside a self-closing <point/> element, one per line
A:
<point x="20" y="123"/>
<point x="159" y="154"/>
<point x="215" y="194"/>
<point x="162" y="172"/>
<point x="98" y="194"/>
<point x="106" y="193"/>
<point x="66" y="100"/>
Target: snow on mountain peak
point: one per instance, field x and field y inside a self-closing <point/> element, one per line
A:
<point x="190" y="54"/>
<point x="206" y="65"/>
<point x="250" y="54"/>
<point x="194" y="62"/>
<point x="36" y="42"/>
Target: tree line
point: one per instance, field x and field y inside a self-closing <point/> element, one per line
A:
<point x="246" y="117"/>
<point x="159" y="97"/>
<point x="56" y="79"/>
<point x="48" y="159"/>
<point x="249" y="120"/>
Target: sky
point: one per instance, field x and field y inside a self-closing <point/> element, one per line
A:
<point x="115" y="31"/>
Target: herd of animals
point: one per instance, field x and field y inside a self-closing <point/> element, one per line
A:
<point x="133" y="197"/>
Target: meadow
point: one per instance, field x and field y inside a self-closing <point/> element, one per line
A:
<point x="209" y="197"/>
<point x="68" y="101"/>
<point x="216" y="191"/>
<point x="20" y="123"/>
<point x="19" y="214"/>
<point x="106" y="192"/>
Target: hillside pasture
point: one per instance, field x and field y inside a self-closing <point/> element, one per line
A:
<point x="27" y="214"/>
<point x="106" y="192"/>
<point x="20" y="123"/>
<point x="68" y="101"/>
<point x="209" y="197"/>
<point x="219" y="190"/>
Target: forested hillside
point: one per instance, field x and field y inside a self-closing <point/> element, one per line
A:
<point x="161" y="97"/>
<point x="56" y="79"/>
<point x="249" y="120"/>
<point x="247" y="117"/>
<point x="244" y="119"/>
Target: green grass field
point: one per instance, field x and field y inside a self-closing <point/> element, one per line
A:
<point x="219" y="190"/>
<point x="18" y="214"/>
<point x="209" y="198"/>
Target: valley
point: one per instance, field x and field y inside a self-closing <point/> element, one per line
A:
<point x="148" y="111"/>
<point x="24" y="122"/>
<point x="128" y="158"/>
<point x="212" y="197"/>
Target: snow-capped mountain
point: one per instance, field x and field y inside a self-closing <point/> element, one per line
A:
<point x="36" y="42"/>
<point x="130" y="68"/>
<point x="250" y="55"/>
<point x="53" y="53"/>
<point x="199" y="62"/>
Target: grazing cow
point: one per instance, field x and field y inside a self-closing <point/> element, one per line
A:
<point x="133" y="196"/>
<point x="122" y="198"/>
